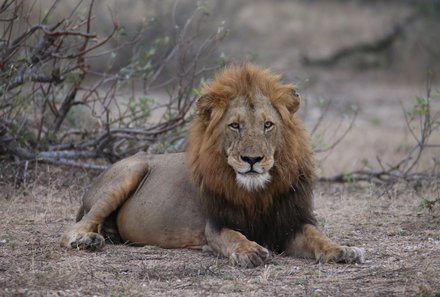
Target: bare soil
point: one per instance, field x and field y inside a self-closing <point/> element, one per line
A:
<point x="401" y="239"/>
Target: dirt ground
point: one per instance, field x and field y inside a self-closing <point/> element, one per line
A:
<point x="400" y="236"/>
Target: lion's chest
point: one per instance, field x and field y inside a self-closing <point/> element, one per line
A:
<point x="271" y="226"/>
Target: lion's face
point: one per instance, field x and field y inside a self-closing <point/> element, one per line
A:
<point x="250" y="130"/>
<point x="246" y="138"/>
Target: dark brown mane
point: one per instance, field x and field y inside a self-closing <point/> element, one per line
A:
<point x="286" y="203"/>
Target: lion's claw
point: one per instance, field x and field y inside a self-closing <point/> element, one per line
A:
<point x="252" y="255"/>
<point x="86" y="241"/>
<point x="343" y="254"/>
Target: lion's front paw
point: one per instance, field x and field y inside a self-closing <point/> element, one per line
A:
<point x="344" y="254"/>
<point x="249" y="255"/>
<point x="84" y="241"/>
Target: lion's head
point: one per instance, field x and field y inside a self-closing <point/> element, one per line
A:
<point x="245" y="138"/>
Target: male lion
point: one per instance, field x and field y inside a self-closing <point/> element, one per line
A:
<point x="248" y="190"/>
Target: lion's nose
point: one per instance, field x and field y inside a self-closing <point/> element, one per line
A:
<point x="251" y="160"/>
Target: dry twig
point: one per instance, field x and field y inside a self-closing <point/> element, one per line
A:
<point x="404" y="170"/>
<point x="44" y="97"/>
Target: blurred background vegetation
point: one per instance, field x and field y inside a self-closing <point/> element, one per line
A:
<point x="86" y="83"/>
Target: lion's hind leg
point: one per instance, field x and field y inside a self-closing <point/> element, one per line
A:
<point x="111" y="189"/>
<point x="313" y="243"/>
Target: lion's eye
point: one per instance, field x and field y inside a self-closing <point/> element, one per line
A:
<point x="234" y="126"/>
<point x="268" y="125"/>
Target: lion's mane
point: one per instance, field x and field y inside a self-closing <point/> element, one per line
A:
<point x="269" y="216"/>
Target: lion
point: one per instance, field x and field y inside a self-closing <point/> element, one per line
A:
<point x="243" y="189"/>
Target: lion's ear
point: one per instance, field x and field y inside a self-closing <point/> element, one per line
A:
<point x="204" y="107"/>
<point x="294" y="100"/>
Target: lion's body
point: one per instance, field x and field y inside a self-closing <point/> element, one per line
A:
<point x="247" y="186"/>
<point x="165" y="211"/>
<point x="145" y="218"/>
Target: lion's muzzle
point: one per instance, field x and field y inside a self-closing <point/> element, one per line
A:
<point x="252" y="173"/>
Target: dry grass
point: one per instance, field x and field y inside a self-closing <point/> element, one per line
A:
<point x="401" y="240"/>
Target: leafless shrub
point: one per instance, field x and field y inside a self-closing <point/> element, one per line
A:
<point x="321" y="143"/>
<point x="422" y="122"/>
<point x="54" y="108"/>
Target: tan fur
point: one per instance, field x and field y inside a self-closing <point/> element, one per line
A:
<point x="249" y="185"/>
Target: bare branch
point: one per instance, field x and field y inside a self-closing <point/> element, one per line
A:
<point x="50" y="80"/>
<point x="404" y="169"/>
<point x="72" y="163"/>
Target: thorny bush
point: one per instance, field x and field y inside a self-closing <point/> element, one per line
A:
<point x="55" y="108"/>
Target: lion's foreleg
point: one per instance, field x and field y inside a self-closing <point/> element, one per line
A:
<point x="313" y="243"/>
<point x="236" y="247"/>
<point x="106" y="195"/>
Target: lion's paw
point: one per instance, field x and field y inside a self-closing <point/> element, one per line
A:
<point x="249" y="255"/>
<point x="343" y="254"/>
<point x="84" y="241"/>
